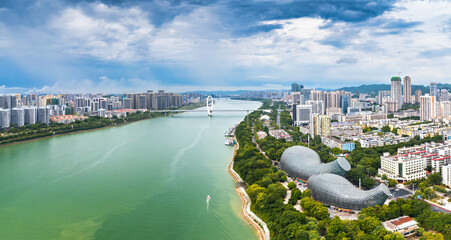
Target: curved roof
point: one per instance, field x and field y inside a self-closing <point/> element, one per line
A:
<point x="337" y="191"/>
<point x="301" y="162"/>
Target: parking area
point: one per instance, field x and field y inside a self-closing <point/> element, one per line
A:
<point x="399" y="193"/>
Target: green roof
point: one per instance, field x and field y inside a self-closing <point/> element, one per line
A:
<point x="396" y="79"/>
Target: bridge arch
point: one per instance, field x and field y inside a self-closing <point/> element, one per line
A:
<point x="210" y="103"/>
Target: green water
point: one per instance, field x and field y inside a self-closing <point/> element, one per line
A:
<point x="145" y="180"/>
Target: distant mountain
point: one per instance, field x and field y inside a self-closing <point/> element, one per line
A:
<point x="365" y="88"/>
<point x="374" y="88"/>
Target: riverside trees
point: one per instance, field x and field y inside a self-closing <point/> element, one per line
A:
<point x="285" y="222"/>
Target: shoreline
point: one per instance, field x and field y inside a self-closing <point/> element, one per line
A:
<point x="92" y="129"/>
<point x="262" y="232"/>
<point x="74" y="132"/>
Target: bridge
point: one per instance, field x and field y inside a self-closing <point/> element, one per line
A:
<point x="209" y="110"/>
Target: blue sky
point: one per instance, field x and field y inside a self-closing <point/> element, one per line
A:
<point x="179" y="45"/>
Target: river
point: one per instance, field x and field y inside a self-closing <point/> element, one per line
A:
<point x="144" y="180"/>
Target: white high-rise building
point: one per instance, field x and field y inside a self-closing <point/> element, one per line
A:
<point x="446" y="175"/>
<point x="407" y="89"/>
<point x="396" y="92"/>
<point x="301" y="114"/>
<point x="43" y="115"/>
<point x="5" y="118"/>
<point x="317" y="106"/>
<point x="427" y="107"/>
<point x="18" y="116"/>
<point x="30" y="115"/>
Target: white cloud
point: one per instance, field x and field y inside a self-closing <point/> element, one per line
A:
<point x="107" y="33"/>
<point x="205" y="49"/>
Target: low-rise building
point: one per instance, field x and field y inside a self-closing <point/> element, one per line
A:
<point x="404" y="225"/>
<point x="67" y="118"/>
<point x="261" y="135"/>
<point x="280" y="134"/>
<point x="334" y="142"/>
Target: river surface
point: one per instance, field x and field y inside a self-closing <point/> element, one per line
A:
<point x="144" y="180"/>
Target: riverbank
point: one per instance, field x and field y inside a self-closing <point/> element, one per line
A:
<point x="73" y="132"/>
<point x="246" y="213"/>
<point x="49" y="132"/>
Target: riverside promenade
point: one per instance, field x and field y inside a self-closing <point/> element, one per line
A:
<point x="259" y="225"/>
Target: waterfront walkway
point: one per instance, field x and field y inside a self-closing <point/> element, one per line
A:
<point x="261" y="227"/>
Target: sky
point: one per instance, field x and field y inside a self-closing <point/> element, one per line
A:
<point x="185" y="45"/>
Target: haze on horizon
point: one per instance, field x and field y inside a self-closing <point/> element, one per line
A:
<point x="181" y="45"/>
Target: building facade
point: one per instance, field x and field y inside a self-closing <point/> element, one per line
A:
<point x="396" y="92"/>
<point x="403" y="167"/>
<point x="407" y="89"/>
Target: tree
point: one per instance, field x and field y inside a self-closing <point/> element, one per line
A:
<point x="368" y="224"/>
<point x="392" y="182"/>
<point x="385" y="128"/>
<point x="435" y="179"/>
<point x="291" y="185"/>
<point x="336" y="150"/>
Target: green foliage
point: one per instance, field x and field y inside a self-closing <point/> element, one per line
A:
<point x="385" y="128"/>
<point x="291" y="185"/>
<point x="314" y="208"/>
<point x="440" y="189"/>
<point x="336" y="150"/>
<point x="39" y="130"/>
<point x="285" y="222"/>
<point x="417" y="209"/>
<point x="410" y="118"/>
<point x="392" y="182"/>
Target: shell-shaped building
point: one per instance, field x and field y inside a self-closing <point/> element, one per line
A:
<point x="301" y="162"/>
<point x="337" y="191"/>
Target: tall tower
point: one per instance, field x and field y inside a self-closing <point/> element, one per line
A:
<point x="433" y="89"/>
<point x="407" y="89"/>
<point x="396" y="92"/>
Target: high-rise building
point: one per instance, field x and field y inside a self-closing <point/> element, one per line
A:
<point x="407" y="89"/>
<point x="427" y="107"/>
<point x="30" y="115"/>
<point x="444" y="95"/>
<point x="142" y="101"/>
<point x="127" y="103"/>
<point x="43" y="115"/>
<point x="418" y="94"/>
<point x="320" y="125"/>
<point x="344" y="103"/>
<point x="5" y="118"/>
<point x="381" y="96"/>
<point x="18" y="116"/>
<point x="296" y="87"/>
<point x="302" y="114"/>
<point x="317" y="106"/>
<point x="433" y="89"/>
<point x="396" y="92"/>
<point x="446" y="175"/>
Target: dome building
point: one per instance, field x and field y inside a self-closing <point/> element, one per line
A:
<point x="337" y="191"/>
<point x="301" y="162"/>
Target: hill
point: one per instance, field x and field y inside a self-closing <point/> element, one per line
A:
<point x="374" y="88"/>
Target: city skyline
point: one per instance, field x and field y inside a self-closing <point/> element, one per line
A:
<point x="113" y="46"/>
